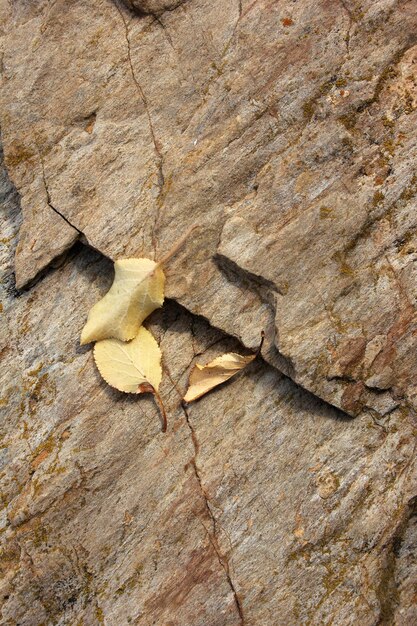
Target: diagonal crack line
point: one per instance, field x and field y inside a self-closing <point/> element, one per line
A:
<point x="49" y="202"/>
<point x="165" y="31"/>
<point x="212" y="536"/>
<point x="141" y="93"/>
<point x="387" y="72"/>
<point x="158" y="153"/>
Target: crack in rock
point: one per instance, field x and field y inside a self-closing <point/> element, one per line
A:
<point x="158" y="153"/>
<point x="212" y="536"/>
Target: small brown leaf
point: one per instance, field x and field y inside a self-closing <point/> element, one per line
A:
<point x="204" y="378"/>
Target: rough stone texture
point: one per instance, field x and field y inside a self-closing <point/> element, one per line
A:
<point x="284" y="129"/>
<point x="287" y="132"/>
<point x="261" y="505"/>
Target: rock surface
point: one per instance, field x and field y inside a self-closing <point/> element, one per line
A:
<point x="261" y="505"/>
<point x="284" y="130"/>
<point x="287" y="132"/>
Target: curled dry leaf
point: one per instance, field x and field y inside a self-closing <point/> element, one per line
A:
<point x="133" y="367"/>
<point x="203" y="378"/>
<point x="137" y="290"/>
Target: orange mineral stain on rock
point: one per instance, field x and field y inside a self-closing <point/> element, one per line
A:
<point x="351" y="398"/>
<point x="39" y="458"/>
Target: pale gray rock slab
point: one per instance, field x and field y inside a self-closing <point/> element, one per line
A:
<point x="260" y="505"/>
<point x="285" y="131"/>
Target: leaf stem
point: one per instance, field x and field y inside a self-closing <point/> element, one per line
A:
<point x="159" y="402"/>
<point x="148" y="388"/>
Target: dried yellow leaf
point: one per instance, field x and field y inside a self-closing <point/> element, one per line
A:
<point x="132" y="367"/>
<point x="204" y="378"/>
<point x="137" y="290"/>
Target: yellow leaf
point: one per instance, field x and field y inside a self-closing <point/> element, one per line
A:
<point x="204" y="378"/>
<point x="133" y="367"/>
<point x="137" y="290"/>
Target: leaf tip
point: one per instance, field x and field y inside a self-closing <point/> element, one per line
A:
<point x="84" y="339"/>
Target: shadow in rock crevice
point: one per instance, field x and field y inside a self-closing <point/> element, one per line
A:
<point x="98" y="269"/>
<point x="179" y="322"/>
<point x="11" y="222"/>
<point x="267" y="292"/>
<point x="12" y="219"/>
<point x="154" y="8"/>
